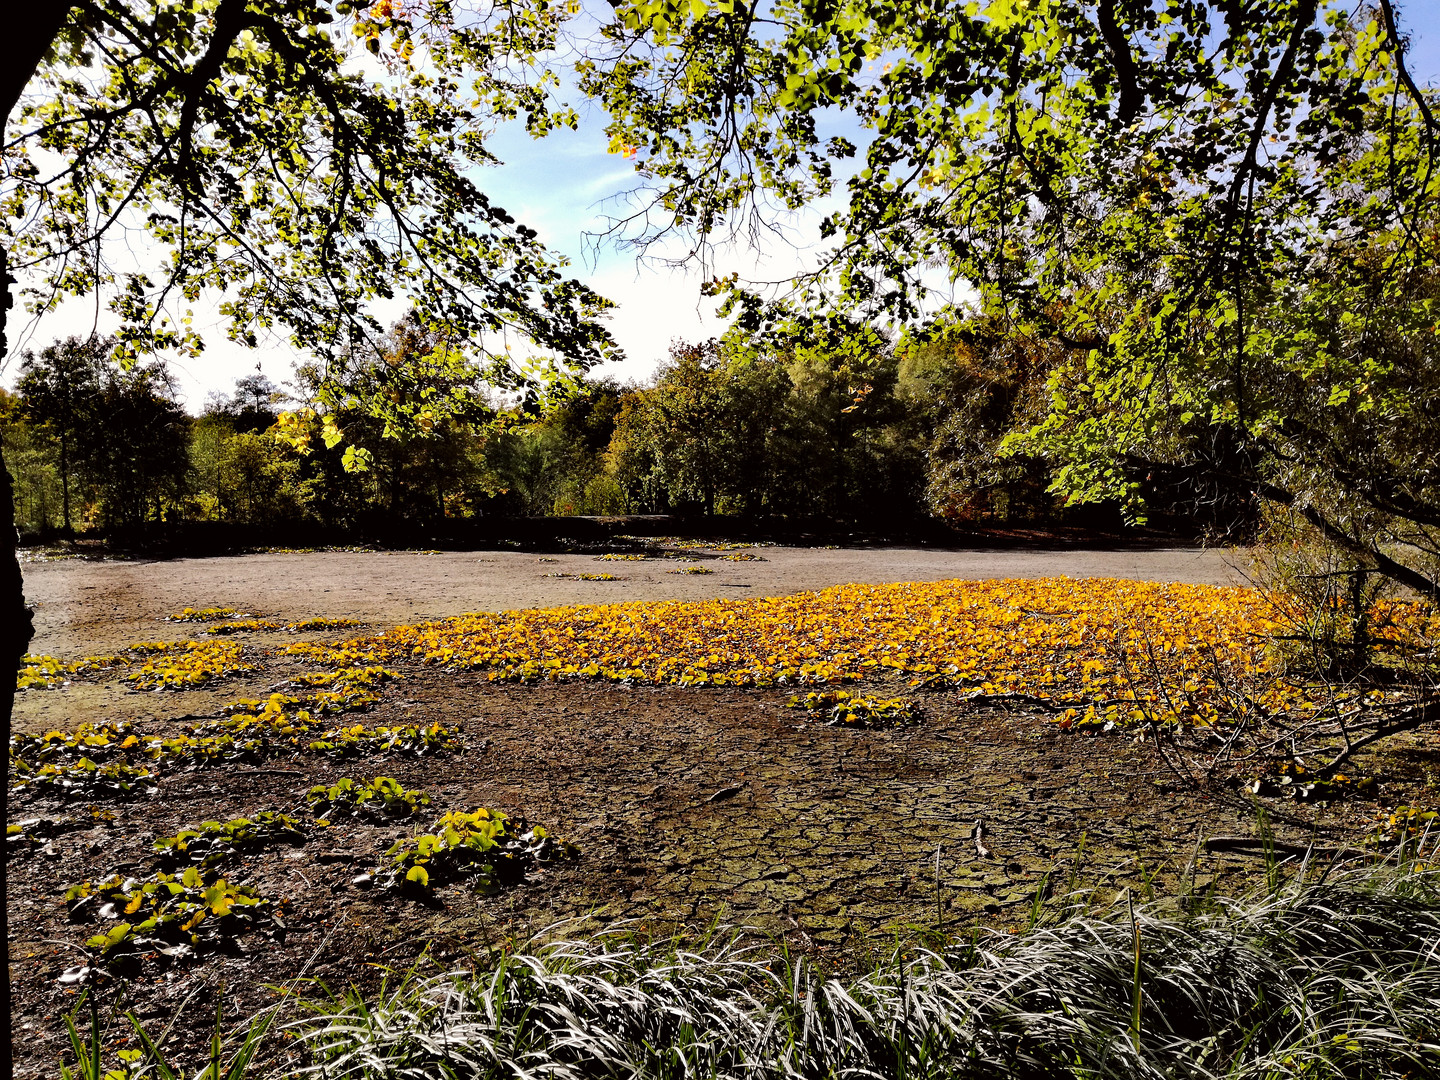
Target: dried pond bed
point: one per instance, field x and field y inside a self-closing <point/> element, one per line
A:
<point x="687" y="804"/>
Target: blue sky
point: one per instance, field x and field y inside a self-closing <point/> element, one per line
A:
<point x="564" y="186"/>
<point x="1422" y="19"/>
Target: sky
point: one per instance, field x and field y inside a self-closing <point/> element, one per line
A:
<point x="565" y="186"/>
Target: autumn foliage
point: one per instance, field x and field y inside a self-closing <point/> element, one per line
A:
<point x="1088" y="652"/>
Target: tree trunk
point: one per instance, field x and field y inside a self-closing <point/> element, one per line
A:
<point x="27" y="39"/>
<point x="65" y="485"/>
<point x="16" y="630"/>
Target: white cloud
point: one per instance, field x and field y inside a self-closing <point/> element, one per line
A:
<point x="655" y="308"/>
<point x="215" y="369"/>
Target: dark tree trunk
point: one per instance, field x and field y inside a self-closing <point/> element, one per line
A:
<point x="65" y="485"/>
<point x="16" y="630"/>
<point x="26" y="40"/>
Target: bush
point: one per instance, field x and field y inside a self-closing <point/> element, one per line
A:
<point x="379" y="798"/>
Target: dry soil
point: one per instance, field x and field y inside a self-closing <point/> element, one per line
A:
<point x="686" y="805"/>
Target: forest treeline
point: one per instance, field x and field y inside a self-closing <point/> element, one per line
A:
<point x="862" y="430"/>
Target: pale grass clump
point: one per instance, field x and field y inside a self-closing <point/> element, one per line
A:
<point x="1332" y="979"/>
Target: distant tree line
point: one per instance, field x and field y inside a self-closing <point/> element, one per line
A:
<point x="848" y="428"/>
<point x="859" y="430"/>
<point x="92" y="446"/>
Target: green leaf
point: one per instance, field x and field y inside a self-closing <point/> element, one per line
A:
<point x="357" y="459"/>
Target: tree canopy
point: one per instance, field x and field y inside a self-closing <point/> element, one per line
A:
<point x="1220" y="208"/>
<point x="300" y="161"/>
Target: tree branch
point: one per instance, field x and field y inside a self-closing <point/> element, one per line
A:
<point x="230" y="20"/>
<point x="1409" y="720"/>
<point x="1126" y="72"/>
<point x="1394" y="570"/>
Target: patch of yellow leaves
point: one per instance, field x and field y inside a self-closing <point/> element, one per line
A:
<point x="1090" y="652"/>
<point x="1111" y="650"/>
<point x="183" y="665"/>
<point x="213" y="614"/>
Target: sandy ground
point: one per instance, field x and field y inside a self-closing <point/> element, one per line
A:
<point x="85" y="607"/>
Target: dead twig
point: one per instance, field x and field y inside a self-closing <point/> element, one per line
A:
<point x="978" y="835"/>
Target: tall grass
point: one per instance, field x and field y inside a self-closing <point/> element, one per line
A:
<point x="1338" y="978"/>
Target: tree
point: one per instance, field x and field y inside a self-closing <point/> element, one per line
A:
<point x="248" y="477"/>
<point x="701" y="433"/>
<point x="264" y="169"/>
<point x="30" y="455"/>
<point x="971" y="384"/>
<point x="1146" y="183"/>
<point x="135" y="453"/>
<point x="256" y="393"/>
<point x="840" y="450"/>
<point x="253" y="405"/>
<point x="412" y="395"/>
<point x="118" y="431"/>
<point x="556" y="463"/>
<point x="60" y="389"/>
